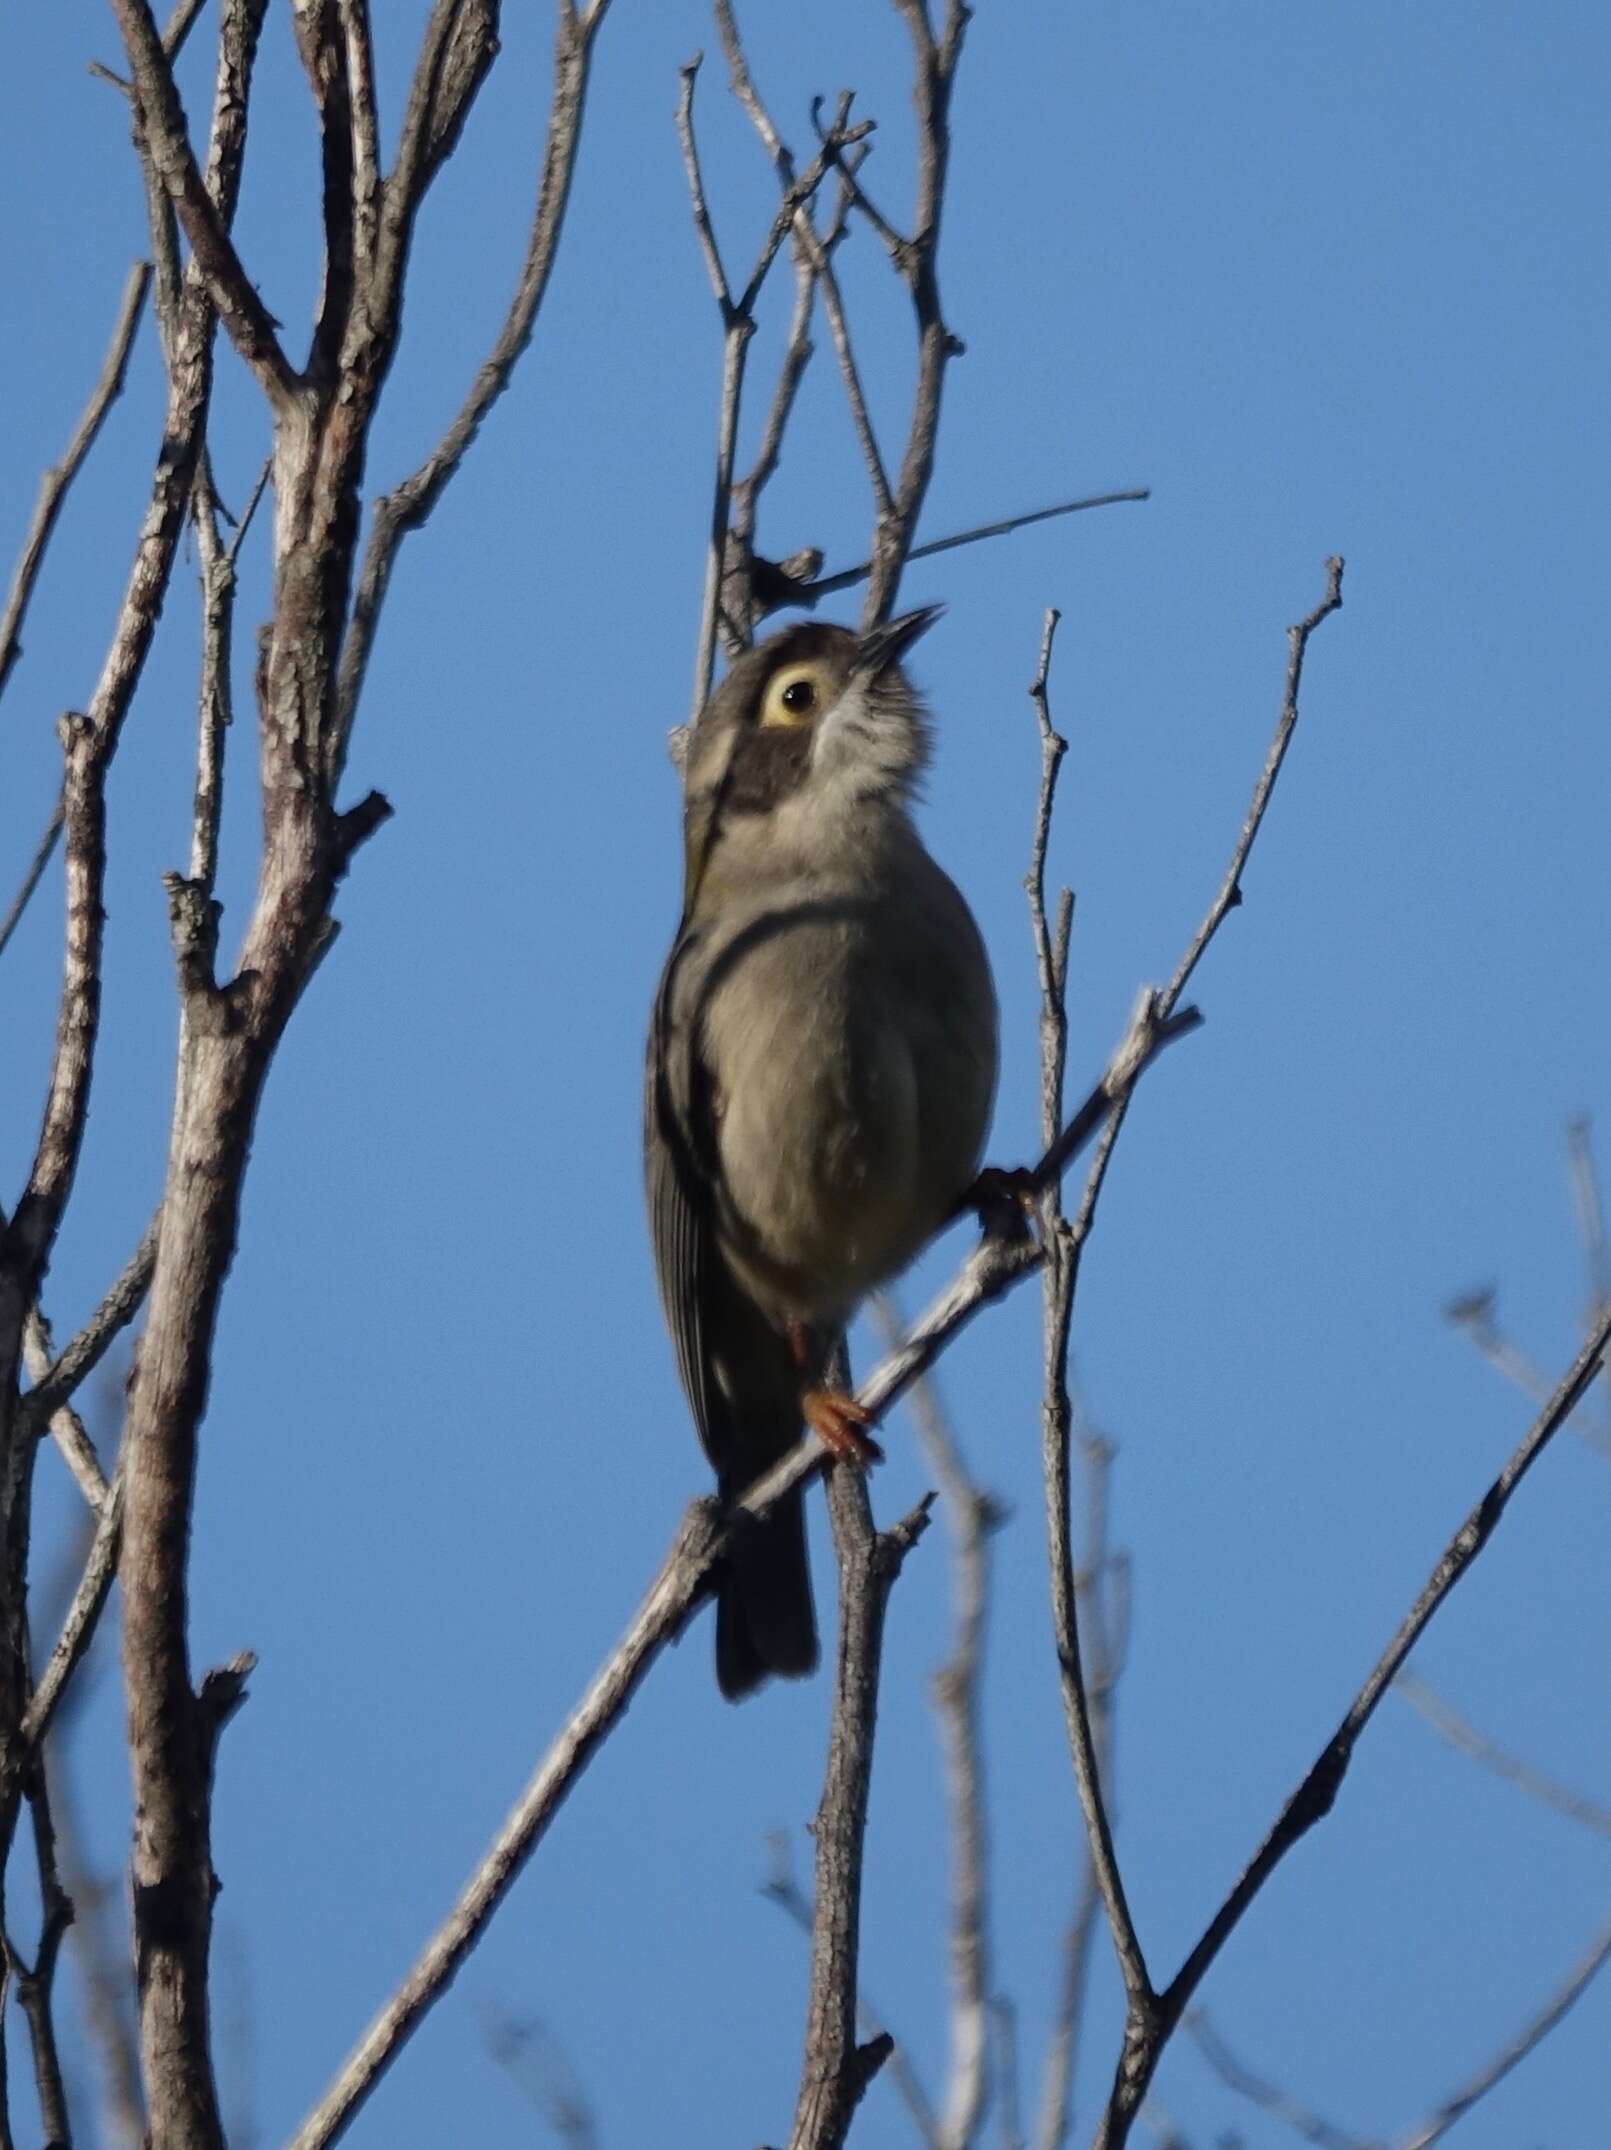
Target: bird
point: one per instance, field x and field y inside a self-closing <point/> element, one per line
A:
<point x="821" y="1070"/>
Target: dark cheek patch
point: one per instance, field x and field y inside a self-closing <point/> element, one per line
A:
<point x="767" y="766"/>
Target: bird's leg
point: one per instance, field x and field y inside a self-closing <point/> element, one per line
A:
<point x="839" y="1422"/>
<point x="1005" y="1198"/>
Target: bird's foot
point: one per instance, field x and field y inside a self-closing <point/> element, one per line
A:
<point x="840" y="1424"/>
<point x="1005" y="1198"/>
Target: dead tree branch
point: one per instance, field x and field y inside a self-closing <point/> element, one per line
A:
<point x="1314" y="2128"/>
<point x="54" y="486"/>
<point x="972" y="1517"/>
<point x="717" y="617"/>
<point x="44" y="851"/>
<point x="1464" y="1737"/>
<point x="837" y="2070"/>
<point x="781" y="1888"/>
<point x="408" y="505"/>
<point x="934" y="66"/>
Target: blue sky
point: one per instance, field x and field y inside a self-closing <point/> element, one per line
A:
<point x="1326" y="280"/>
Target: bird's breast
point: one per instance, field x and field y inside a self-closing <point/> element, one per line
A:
<point x="821" y="1051"/>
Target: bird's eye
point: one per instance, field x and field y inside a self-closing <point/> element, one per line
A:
<point x="793" y="696"/>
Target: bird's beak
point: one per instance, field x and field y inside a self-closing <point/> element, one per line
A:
<point x="880" y="647"/>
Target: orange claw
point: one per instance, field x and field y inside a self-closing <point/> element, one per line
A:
<point x="838" y="1422"/>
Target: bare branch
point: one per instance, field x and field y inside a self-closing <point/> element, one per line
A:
<point x="67" y="1428"/>
<point x="1314" y="1798"/>
<point x="727" y="606"/>
<point x="366" y="179"/>
<point x="455" y="57"/>
<point x="781" y="1888"/>
<point x="43" y="853"/>
<point x="83" y="1617"/>
<point x="1590" y="1210"/>
<point x="53" y="487"/>
<point x="408" y="505"/>
<point x="216" y="700"/>
<point x="251" y="327"/>
<point x="972" y="1516"/>
<point x="1532" y="2034"/>
<point x="1267" y="2096"/>
<point x="846" y="578"/>
<point x="1102" y="1651"/>
<point x="34" y="1223"/>
<point x="1462" y="1735"/>
<point x="1477" y="1314"/>
<point x="1230" y="893"/>
<point x="36" y="1981"/>
<point x="56" y="1380"/>
<point x="533" y="2057"/>
<point x="837" y="2070"/>
<point x="933" y="74"/>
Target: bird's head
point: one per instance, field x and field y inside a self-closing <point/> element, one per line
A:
<point x="815" y="724"/>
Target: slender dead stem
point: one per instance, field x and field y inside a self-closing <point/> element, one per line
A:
<point x="848" y="578"/>
<point x="35" y="1982"/>
<point x="972" y="1517"/>
<point x="781" y="1888"/>
<point x="250" y="326"/>
<point x="44" y="851"/>
<point x="57" y="1379"/>
<point x="1274" y="2099"/>
<point x="408" y="505"/>
<point x="53" y="487"/>
<point x="934" y="65"/>
<point x="836" y="2069"/>
<point x="1499" y="1761"/>
<point x="726" y="608"/>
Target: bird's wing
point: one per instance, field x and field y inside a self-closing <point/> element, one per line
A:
<point x="677" y="1152"/>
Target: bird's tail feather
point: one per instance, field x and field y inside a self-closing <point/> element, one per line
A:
<point x="765" y="1620"/>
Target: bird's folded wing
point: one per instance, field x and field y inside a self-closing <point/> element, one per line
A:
<point x="682" y="1195"/>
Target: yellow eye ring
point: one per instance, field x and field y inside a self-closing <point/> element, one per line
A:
<point x="793" y="696"/>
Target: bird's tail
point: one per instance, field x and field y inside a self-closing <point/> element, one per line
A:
<point x="765" y="1621"/>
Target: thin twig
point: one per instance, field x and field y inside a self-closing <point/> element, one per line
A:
<point x="1585" y="1182"/>
<point x="82" y="1619"/>
<point x="718" y="614"/>
<point x="781" y="1888"/>
<point x="1476" y="1313"/>
<point x="934" y="65"/>
<point x="1532" y="2034"/>
<point x="1269" y="2097"/>
<point x="251" y="327"/>
<point x="972" y="1516"/>
<point x="847" y="578"/>
<point x="1057" y="1292"/>
<point x="36" y="1981"/>
<point x="1462" y="1735"/>
<point x="56" y="1380"/>
<point x="533" y="2058"/>
<point x="1230" y="892"/>
<point x="408" y="505"/>
<point x="215" y="699"/>
<point x="31" y="879"/>
<point x="836" y="2070"/>
<point x="53" y="487"/>
<point x="1103" y="1646"/>
<point x="1315" y="1796"/>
